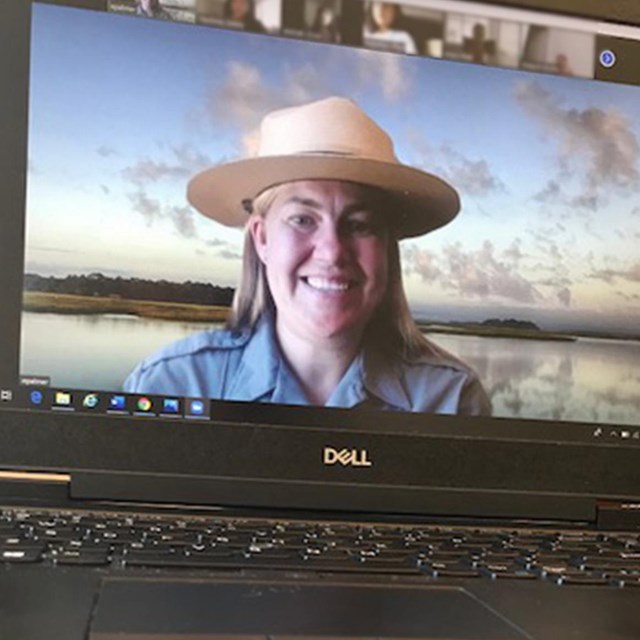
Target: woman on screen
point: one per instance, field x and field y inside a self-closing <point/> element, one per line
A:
<point x="243" y="13"/>
<point x="320" y="316"/>
<point x="152" y="9"/>
<point x="382" y="31"/>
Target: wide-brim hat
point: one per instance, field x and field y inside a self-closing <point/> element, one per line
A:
<point x="331" y="139"/>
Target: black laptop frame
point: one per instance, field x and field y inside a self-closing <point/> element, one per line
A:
<point x="278" y="463"/>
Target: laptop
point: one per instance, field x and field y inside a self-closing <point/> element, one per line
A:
<point x="166" y="473"/>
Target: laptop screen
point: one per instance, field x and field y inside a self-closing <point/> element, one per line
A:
<point x="417" y="215"/>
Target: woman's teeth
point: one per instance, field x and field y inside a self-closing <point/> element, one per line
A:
<point x="324" y="284"/>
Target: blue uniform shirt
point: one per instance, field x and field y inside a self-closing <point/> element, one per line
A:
<point x="248" y="366"/>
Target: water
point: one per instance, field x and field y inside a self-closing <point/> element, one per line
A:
<point x="588" y="380"/>
<point x="92" y="351"/>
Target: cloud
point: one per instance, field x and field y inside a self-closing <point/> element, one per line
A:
<point x="564" y="296"/>
<point x="244" y="98"/>
<point x="628" y="297"/>
<point x="105" y="189"/>
<point x="185" y="161"/>
<point x="390" y="73"/>
<point x="229" y="254"/>
<point x="106" y="151"/>
<point x="215" y="242"/>
<point x="551" y="192"/>
<point x="153" y="211"/>
<point x="182" y="218"/>
<point x="421" y="262"/>
<point x="629" y="273"/>
<point x="150" y="209"/>
<point x="52" y="249"/>
<point x="304" y="84"/>
<point x="246" y="95"/>
<point x="471" y="176"/>
<point x="481" y="274"/>
<point x="595" y="146"/>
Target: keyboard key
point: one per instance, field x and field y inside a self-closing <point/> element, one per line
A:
<point x="85" y="558"/>
<point x="18" y="554"/>
<point x="450" y="570"/>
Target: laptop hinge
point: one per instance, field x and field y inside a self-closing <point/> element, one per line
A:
<point x="233" y="493"/>
<point x="618" y="515"/>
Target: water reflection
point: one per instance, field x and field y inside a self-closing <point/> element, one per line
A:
<point x="586" y="380"/>
<point x="92" y="351"/>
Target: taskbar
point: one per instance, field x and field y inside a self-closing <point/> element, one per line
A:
<point x="44" y="398"/>
<point x="106" y="403"/>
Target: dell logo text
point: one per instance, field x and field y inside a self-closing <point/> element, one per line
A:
<point x="346" y="457"/>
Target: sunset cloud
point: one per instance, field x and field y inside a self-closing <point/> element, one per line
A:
<point x="471" y="176"/>
<point x="484" y="273"/>
<point x="184" y="162"/>
<point x="596" y="146"/>
<point x="182" y="217"/>
<point x="629" y="273"/>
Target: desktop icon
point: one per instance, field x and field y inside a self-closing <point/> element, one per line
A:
<point x="62" y="399"/>
<point x="196" y="407"/>
<point x="117" y="403"/>
<point x="170" y="405"/>
<point x="90" y="401"/>
<point x="144" y="404"/>
<point x="36" y="397"/>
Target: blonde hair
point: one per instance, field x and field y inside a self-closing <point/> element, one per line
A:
<point x="391" y="325"/>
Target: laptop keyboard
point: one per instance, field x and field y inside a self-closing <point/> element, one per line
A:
<point x="142" y="540"/>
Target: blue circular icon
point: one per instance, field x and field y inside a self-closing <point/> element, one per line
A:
<point x="36" y="397"/>
<point x="607" y="58"/>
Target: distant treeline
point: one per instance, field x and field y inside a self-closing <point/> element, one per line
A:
<point x="498" y="323"/>
<point x="99" y="285"/>
<point x="511" y="323"/>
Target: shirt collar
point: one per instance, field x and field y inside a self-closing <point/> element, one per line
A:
<point x="383" y="377"/>
<point x="264" y="374"/>
<point x="257" y="370"/>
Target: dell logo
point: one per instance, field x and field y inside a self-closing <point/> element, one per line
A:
<point x="346" y="457"/>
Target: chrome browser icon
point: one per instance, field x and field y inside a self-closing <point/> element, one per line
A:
<point x="144" y="404"/>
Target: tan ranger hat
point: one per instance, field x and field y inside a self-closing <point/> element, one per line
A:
<point x="332" y="139"/>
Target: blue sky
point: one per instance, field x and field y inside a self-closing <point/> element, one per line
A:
<point x="124" y="110"/>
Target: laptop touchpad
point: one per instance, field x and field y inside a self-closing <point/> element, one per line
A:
<point x="162" y="609"/>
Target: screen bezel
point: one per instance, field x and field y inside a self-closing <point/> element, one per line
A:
<point x="48" y="441"/>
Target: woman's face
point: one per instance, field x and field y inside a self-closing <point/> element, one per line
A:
<point x="325" y="254"/>
<point x="384" y="14"/>
<point x="239" y="9"/>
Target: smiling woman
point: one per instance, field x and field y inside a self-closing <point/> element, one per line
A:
<point x="320" y="316"/>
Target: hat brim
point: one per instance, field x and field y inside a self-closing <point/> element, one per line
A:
<point x="425" y="202"/>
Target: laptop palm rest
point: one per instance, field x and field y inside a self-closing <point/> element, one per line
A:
<point x="158" y="609"/>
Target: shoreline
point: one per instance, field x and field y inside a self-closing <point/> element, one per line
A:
<point x="68" y="304"/>
<point x="496" y="332"/>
